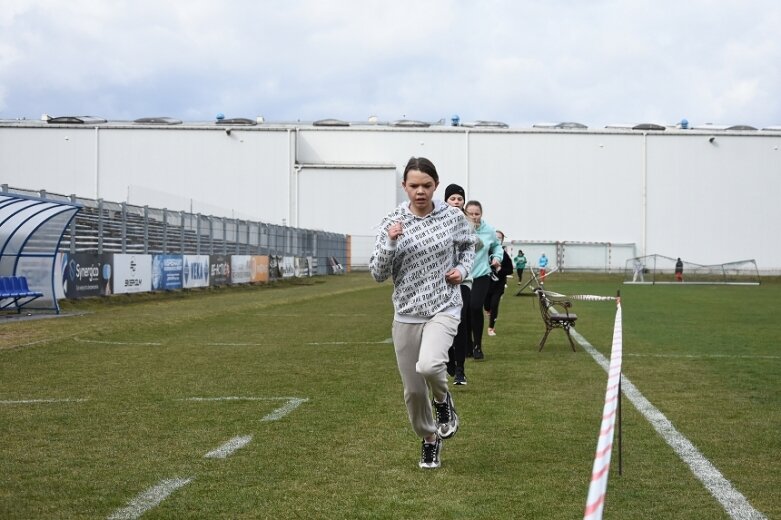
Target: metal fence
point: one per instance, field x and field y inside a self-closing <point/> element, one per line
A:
<point x="116" y="227"/>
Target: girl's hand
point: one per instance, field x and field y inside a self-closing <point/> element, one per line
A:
<point x="453" y="276"/>
<point x="395" y="230"/>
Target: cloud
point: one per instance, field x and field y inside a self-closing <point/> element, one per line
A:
<point x="516" y="61"/>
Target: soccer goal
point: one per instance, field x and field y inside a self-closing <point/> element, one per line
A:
<point x="659" y="269"/>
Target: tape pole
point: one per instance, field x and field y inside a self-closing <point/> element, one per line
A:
<point x="595" y="502"/>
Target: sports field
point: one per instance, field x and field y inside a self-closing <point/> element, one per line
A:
<point x="283" y="401"/>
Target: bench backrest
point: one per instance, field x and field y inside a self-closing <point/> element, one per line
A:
<point x="546" y="304"/>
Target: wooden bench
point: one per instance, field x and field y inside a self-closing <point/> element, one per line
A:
<point x="554" y="319"/>
<point x="15" y="292"/>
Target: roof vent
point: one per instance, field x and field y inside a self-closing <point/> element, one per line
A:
<point x="76" y="120"/>
<point x="490" y="124"/>
<point x="157" y="121"/>
<point x="410" y="123"/>
<point x="330" y="122"/>
<point x="648" y="126"/>
<point x="571" y="126"/>
<point x="237" y="121"/>
<point x="740" y="127"/>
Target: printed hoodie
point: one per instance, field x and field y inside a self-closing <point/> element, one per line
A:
<point x="418" y="260"/>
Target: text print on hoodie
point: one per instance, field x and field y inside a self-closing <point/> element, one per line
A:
<point x="417" y="260"/>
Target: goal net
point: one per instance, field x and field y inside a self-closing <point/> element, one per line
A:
<point x="659" y="269"/>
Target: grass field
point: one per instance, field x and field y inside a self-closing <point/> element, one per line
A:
<point x="97" y="407"/>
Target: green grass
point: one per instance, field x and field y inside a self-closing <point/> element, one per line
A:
<point x="706" y="356"/>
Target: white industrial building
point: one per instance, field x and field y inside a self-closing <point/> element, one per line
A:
<point x="708" y="195"/>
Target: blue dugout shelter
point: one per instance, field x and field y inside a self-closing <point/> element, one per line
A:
<point x="31" y="230"/>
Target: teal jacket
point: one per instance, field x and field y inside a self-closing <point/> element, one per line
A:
<point x="491" y="249"/>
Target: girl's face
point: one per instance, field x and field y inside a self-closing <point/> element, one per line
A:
<point x="474" y="213"/>
<point x="456" y="200"/>
<point x="420" y="189"/>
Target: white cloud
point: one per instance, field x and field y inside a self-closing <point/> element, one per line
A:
<point x="516" y="61"/>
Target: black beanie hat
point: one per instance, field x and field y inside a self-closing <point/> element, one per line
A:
<point x="452" y="189"/>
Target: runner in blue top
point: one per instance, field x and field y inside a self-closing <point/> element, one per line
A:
<point x="487" y="258"/>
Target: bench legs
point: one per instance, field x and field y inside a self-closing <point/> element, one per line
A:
<point x="566" y="331"/>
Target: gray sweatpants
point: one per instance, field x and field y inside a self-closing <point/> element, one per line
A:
<point x="421" y="354"/>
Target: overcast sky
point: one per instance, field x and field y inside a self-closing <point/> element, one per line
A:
<point x="518" y="61"/>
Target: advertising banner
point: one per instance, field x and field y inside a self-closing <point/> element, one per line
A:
<point x="274" y="264"/>
<point x="311" y="267"/>
<point x="106" y="273"/>
<point x="84" y="275"/>
<point x="132" y="273"/>
<point x="219" y="270"/>
<point x="260" y="268"/>
<point x="241" y="268"/>
<point x="288" y="267"/>
<point x="195" y="271"/>
<point x="167" y="272"/>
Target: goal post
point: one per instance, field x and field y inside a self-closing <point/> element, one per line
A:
<point x="660" y="269"/>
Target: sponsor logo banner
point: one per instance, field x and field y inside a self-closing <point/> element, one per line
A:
<point x="167" y="272"/>
<point x="260" y="268"/>
<point x="241" y="268"/>
<point x="288" y="267"/>
<point x="274" y="264"/>
<point x="132" y="273"/>
<point x="219" y="270"/>
<point x="195" y="271"/>
<point x="83" y="275"/>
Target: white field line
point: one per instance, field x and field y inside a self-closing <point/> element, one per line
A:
<point x="149" y="499"/>
<point x="285" y="409"/>
<point x="225" y="344"/>
<point x="335" y="315"/>
<point x="229" y="447"/>
<point x="41" y="341"/>
<point x="384" y="342"/>
<point x="291" y="404"/>
<point x="733" y="502"/>
<point x="43" y="401"/>
<point x="238" y="344"/>
<point x="704" y="356"/>
<point x="101" y="342"/>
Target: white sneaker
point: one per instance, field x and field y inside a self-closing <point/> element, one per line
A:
<point x="446" y="417"/>
<point x="491" y="332"/>
<point x="429" y="454"/>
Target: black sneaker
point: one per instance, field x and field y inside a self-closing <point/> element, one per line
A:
<point x="478" y="353"/>
<point x="460" y="378"/>
<point x="447" y="419"/>
<point x="429" y="454"/>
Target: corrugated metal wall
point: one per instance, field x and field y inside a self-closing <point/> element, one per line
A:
<point x="674" y="192"/>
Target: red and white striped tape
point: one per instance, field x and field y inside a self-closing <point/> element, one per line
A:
<point x="597" y="490"/>
<point x="584" y="297"/>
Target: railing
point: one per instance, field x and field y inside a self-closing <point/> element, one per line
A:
<point x="116" y="227"/>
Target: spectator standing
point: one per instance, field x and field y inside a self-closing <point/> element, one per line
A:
<point x="679" y="270"/>
<point x="487" y="258"/>
<point x="427" y="247"/>
<point x="542" y="264"/>
<point x="638" y="270"/>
